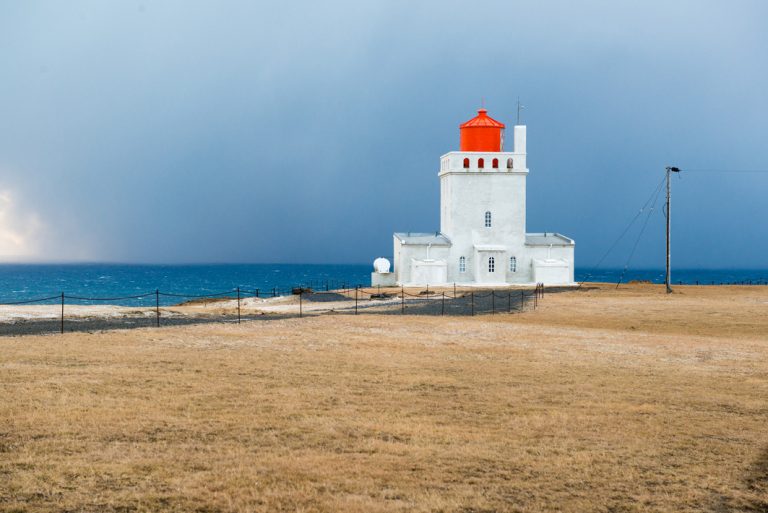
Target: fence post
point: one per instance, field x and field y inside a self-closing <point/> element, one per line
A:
<point x="301" y="306"/>
<point x="442" y="310"/>
<point x="238" y="305"/>
<point x="402" y="299"/>
<point x="257" y="293"/>
<point x="509" y="301"/>
<point x="157" y="308"/>
<point x="522" y="300"/>
<point x="454" y="290"/>
<point x="473" y="302"/>
<point x="355" y="300"/>
<point x="493" y="301"/>
<point x="62" y="313"/>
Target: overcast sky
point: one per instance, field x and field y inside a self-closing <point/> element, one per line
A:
<point x="226" y="131"/>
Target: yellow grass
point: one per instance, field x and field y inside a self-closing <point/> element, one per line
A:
<point x="601" y="400"/>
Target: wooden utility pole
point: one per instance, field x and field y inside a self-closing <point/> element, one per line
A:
<point x="668" y="280"/>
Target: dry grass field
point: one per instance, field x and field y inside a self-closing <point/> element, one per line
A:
<point x="605" y="400"/>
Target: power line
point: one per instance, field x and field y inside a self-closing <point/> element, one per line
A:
<point x="640" y="236"/>
<point x="654" y="194"/>
<point x="654" y="197"/>
<point x="725" y="171"/>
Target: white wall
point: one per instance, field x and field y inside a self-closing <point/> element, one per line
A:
<point x="426" y="272"/>
<point x="405" y="253"/>
<point x="454" y="160"/>
<point x="551" y="273"/>
<point x="482" y="272"/>
<point x="465" y="198"/>
<point x="555" y="252"/>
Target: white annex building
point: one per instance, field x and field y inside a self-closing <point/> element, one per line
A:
<point x="482" y="238"/>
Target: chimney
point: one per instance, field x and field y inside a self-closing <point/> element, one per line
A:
<point x="519" y="138"/>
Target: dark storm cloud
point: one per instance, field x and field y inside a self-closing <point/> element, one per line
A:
<point x="309" y="132"/>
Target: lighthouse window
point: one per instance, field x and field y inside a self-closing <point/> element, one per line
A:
<point x="491" y="264"/>
<point x="509" y="164"/>
<point x="466" y="163"/>
<point x="481" y="163"/>
<point x="512" y="264"/>
<point x="487" y="219"/>
<point x="462" y="265"/>
<point x="495" y="163"/>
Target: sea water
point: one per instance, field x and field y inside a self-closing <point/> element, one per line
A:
<point x="20" y="282"/>
<point x="108" y="283"/>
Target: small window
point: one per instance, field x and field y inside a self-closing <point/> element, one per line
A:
<point x="466" y="163"/>
<point x="510" y="164"/>
<point x="495" y="163"/>
<point x="462" y="265"/>
<point x="487" y="219"/>
<point x="491" y="264"/>
<point x="513" y="264"/>
<point x="481" y="163"/>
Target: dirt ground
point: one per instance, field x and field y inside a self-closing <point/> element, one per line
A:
<point x="627" y="400"/>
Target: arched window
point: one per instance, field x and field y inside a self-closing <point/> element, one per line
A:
<point x="491" y="265"/>
<point x="480" y="163"/>
<point x="513" y="264"/>
<point x="487" y="219"/>
<point x="510" y="164"/>
<point x="462" y="265"/>
<point x="466" y="163"/>
<point x="495" y="163"/>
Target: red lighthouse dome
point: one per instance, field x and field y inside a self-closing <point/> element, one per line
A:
<point x="481" y="133"/>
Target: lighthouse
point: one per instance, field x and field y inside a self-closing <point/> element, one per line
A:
<point x="482" y="238"/>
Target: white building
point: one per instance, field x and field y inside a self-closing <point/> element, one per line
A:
<point x="482" y="238"/>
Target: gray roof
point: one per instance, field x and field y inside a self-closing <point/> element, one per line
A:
<point x="547" y="239"/>
<point x="423" y="239"/>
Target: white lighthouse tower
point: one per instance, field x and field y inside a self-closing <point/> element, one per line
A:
<point x="482" y="238"/>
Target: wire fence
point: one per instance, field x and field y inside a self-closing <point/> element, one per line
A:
<point x="430" y="302"/>
<point x="65" y="312"/>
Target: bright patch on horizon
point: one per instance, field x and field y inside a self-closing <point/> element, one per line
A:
<point x="19" y="232"/>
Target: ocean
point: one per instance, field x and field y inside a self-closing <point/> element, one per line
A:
<point x="107" y="283"/>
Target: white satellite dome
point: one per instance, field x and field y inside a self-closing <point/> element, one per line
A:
<point x="381" y="265"/>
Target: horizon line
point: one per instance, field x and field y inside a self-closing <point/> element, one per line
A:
<point x="224" y="263"/>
